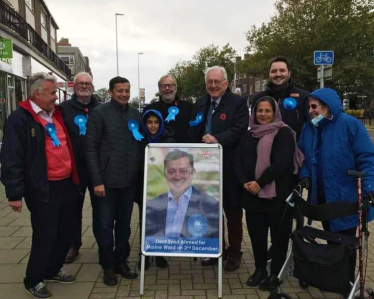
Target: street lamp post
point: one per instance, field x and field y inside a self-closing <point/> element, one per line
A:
<point x="117" y="14"/>
<point x="139" y="81"/>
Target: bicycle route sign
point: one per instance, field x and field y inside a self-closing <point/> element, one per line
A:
<point x="323" y="57"/>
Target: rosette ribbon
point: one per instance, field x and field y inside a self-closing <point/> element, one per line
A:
<point x="289" y="103"/>
<point x="197" y="121"/>
<point x="51" y="130"/>
<point x="173" y="111"/>
<point x="197" y="225"/>
<point x="80" y="121"/>
<point x="134" y="129"/>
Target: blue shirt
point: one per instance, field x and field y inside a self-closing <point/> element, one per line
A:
<point x="176" y="213"/>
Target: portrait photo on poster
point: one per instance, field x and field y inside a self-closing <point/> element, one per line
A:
<point x="182" y="205"/>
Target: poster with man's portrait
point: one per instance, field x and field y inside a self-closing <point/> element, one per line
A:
<point x="182" y="206"/>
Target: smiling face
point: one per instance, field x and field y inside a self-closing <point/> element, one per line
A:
<point x="279" y="74"/>
<point x="264" y="113"/>
<point x="315" y="108"/>
<point x="179" y="174"/>
<point x="153" y="124"/>
<point x="215" y="84"/>
<point x="121" y="93"/>
<point x="83" y="86"/>
<point x="46" y="97"/>
<point x="167" y="89"/>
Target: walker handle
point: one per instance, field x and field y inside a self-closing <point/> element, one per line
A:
<point x="356" y="173"/>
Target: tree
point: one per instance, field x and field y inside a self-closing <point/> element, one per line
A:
<point x="302" y="26"/>
<point x="103" y="94"/>
<point x="189" y="74"/>
<point x="134" y="102"/>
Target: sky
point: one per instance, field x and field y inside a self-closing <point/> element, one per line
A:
<point x="165" y="31"/>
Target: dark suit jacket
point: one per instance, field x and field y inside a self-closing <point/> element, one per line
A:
<point x="200" y="203"/>
<point x="229" y="123"/>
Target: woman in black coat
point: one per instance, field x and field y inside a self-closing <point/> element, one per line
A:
<point x="265" y="165"/>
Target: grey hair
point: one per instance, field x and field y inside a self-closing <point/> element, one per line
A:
<point x="165" y="76"/>
<point x="213" y="68"/>
<point x="81" y="74"/>
<point x="37" y="80"/>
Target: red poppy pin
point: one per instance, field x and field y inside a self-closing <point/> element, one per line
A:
<point x="85" y="110"/>
<point x="176" y="103"/>
<point x="222" y="116"/>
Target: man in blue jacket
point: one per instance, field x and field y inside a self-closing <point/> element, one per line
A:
<point x="333" y="143"/>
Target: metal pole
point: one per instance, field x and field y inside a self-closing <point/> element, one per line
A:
<point x="321" y="82"/>
<point x="117" y="14"/>
<point x="139" y="81"/>
<point x="234" y="75"/>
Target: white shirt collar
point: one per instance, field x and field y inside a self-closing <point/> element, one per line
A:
<point x="217" y="101"/>
<point x="187" y="193"/>
<point x="44" y="114"/>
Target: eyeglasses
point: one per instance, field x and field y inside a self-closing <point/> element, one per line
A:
<point x="164" y="86"/>
<point x="215" y="82"/>
<point x="314" y="106"/>
<point x="81" y="84"/>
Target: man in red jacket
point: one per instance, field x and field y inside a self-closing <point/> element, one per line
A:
<point x="37" y="164"/>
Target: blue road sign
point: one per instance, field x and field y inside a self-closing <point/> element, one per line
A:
<point x="323" y="57"/>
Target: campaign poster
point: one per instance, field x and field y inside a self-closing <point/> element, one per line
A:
<point x="182" y="206"/>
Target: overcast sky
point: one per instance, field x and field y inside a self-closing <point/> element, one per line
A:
<point x="165" y="31"/>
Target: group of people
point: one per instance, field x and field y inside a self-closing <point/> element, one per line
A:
<point x="51" y="154"/>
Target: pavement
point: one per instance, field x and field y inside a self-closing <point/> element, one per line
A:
<point x="183" y="279"/>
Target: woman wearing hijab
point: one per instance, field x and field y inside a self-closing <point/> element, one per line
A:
<point x="154" y="132"/>
<point x="266" y="162"/>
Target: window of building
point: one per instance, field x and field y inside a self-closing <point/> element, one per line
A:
<point x="43" y="18"/>
<point x="30" y="3"/>
<point x="258" y="86"/>
<point x="53" y="32"/>
<point x="68" y="59"/>
<point x="244" y="88"/>
<point x="250" y="89"/>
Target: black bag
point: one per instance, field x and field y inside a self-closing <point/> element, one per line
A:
<point x="324" y="266"/>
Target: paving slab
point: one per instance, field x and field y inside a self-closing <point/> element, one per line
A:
<point x="12" y="273"/>
<point x="12" y="256"/>
<point x="10" y="242"/>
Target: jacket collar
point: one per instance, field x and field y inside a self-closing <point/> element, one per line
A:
<point x="285" y="91"/>
<point x="79" y="105"/>
<point x="118" y="106"/>
<point x="173" y="103"/>
<point x="27" y="106"/>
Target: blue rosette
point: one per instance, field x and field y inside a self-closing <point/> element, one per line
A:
<point x="52" y="132"/>
<point x="289" y="103"/>
<point x="80" y="121"/>
<point x="173" y="111"/>
<point x="197" y="225"/>
<point x="197" y="121"/>
<point x="134" y="129"/>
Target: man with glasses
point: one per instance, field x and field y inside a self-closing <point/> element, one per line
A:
<point x="291" y="99"/>
<point x="222" y="117"/>
<point x="75" y="113"/>
<point x="168" y="98"/>
<point x="37" y="164"/>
